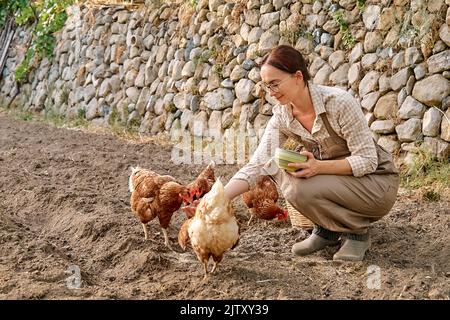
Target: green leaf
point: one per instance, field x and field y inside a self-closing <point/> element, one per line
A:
<point x="51" y="15"/>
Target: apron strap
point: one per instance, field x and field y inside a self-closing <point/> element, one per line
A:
<point x="385" y="163"/>
<point x="330" y="130"/>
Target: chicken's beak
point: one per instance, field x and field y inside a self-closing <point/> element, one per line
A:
<point x="187" y="198"/>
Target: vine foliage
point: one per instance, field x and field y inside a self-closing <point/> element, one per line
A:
<point x="46" y="17"/>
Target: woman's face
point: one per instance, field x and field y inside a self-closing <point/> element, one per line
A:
<point x="281" y="85"/>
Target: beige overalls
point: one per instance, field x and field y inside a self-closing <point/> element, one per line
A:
<point x="340" y="203"/>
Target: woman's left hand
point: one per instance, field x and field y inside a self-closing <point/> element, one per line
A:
<point x="308" y="169"/>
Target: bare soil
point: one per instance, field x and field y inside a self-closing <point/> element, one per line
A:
<point x="64" y="202"/>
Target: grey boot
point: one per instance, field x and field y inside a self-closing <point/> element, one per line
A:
<point x="319" y="239"/>
<point x="354" y="248"/>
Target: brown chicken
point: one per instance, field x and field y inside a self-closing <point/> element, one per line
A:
<point x="203" y="183"/>
<point x="262" y="201"/>
<point x="198" y="188"/>
<point x="214" y="228"/>
<point x="154" y="195"/>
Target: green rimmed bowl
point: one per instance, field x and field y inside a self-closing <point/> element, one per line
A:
<point x="283" y="157"/>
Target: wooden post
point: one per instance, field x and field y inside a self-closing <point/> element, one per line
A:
<point x="5" y="40"/>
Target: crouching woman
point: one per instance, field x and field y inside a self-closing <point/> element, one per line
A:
<point x="348" y="180"/>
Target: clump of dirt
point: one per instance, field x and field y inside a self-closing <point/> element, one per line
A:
<point x="64" y="206"/>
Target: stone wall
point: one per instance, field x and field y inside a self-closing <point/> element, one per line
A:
<point x="167" y="66"/>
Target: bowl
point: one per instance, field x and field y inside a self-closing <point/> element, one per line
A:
<point x="283" y="157"/>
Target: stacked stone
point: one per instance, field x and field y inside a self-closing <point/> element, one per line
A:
<point x="175" y="68"/>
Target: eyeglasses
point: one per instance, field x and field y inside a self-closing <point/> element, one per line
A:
<point x="274" y="87"/>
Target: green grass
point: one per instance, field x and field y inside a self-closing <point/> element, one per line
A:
<point x="348" y="41"/>
<point x="361" y="5"/>
<point x="80" y="120"/>
<point x="116" y="127"/>
<point x="121" y="129"/>
<point x="51" y="116"/>
<point x="25" y="115"/>
<point x="18" y="113"/>
<point x="428" y="174"/>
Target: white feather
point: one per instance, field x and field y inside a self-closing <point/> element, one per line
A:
<point x="130" y="179"/>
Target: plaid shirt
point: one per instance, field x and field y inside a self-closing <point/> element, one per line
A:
<point x="345" y="116"/>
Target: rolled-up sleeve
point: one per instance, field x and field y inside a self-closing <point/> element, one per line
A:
<point x="272" y="138"/>
<point x="363" y="159"/>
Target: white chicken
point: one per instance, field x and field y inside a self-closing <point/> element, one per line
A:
<point x="214" y="228"/>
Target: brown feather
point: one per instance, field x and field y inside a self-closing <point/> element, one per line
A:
<point x="204" y="181"/>
<point x="261" y="200"/>
<point x="154" y="196"/>
<point x="183" y="235"/>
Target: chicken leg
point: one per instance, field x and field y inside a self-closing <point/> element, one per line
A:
<point x="216" y="260"/>
<point x="166" y="239"/>
<point x="144" y="226"/>
<point x="250" y="220"/>
<point x="214" y="267"/>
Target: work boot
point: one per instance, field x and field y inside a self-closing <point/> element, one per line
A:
<point x="354" y="248"/>
<point x="319" y="239"/>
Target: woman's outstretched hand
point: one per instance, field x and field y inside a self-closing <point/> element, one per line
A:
<point x="308" y="169"/>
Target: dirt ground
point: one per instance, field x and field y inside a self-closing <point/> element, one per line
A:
<point x="64" y="205"/>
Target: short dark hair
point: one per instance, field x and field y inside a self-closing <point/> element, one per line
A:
<point x="288" y="59"/>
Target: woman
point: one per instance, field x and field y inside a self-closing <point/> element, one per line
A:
<point x="348" y="181"/>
